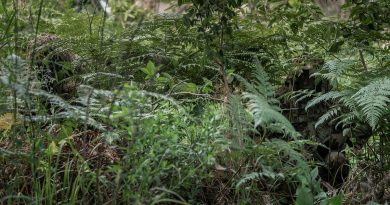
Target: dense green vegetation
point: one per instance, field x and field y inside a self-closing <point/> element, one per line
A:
<point x="211" y="102"/>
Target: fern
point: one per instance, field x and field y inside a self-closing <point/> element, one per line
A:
<point x="334" y="71"/>
<point x="263" y="105"/>
<point x="255" y="175"/>
<point x="374" y="100"/>
<point x="261" y="85"/>
<point x="264" y="113"/>
<point x="239" y="119"/>
<point x="342" y="102"/>
<point x="279" y="160"/>
<point x="329" y="96"/>
<point x="333" y="112"/>
<point x="369" y="103"/>
<point x="298" y="95"/>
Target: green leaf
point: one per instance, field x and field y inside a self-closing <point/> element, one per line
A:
<point x="208" y="86"/>
<point x="336" y="200"/>
<point x="188" y="87"/>
<point x="304" y="196"/>
<point x="314" y="174"/>
<point x="230" y="75"/>
<point x="293" y="3"/>
<point x="52" y="149"/>
<point x="149" y="70"/>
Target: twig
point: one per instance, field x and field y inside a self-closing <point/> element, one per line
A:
<point x="235" y="174"/>
<point x="198" y="95"/>
<point x="362" y="59"/>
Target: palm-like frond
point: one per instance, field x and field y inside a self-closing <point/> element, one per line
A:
<point x="261" y="85"/>
<point x="374" y="100"/>
<point x="239" y="118"/>
<point x="263" y="105"/>
<point x="332" y="113"/>
<point x="334" y="70"/>
<point x="264" y="113"/>
<point x="332" y="95"/>
<point x="369" y="103"/>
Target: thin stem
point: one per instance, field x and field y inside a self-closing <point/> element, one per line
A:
<point x="87" y="108"/>
<point x="362" y="60"/>
<point x="33" y="144"/>
<point x="16" y="36"/>
<point x="222" y="64"/>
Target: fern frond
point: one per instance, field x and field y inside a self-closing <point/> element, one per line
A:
<point x="347" y="100"/>
<point x="261" y="85"/>
<point x="334" y="70"/>
<point x="239" y="118"/>
<point x="333" y="112"/>
<point x="93" y="76"/>
<point x="256" y="175"/>
<point x="290" y="149"/>
<point x="262" y="81"/>
<point x="349" y="118"/>
<point x="263" y="105"/>
<point x="299" y="95"/>
<point x="332" y="95"/>
<point x="263" y="112"/>
<point x="69" y="111"/>
<point x="247" y="178"/>
<point x="374" y="100"/>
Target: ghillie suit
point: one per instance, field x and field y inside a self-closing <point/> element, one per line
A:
<point x="332" y="141"/>
<point x="54" y="64"/>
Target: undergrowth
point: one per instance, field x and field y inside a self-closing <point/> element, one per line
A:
<point x="132" y="107"/>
